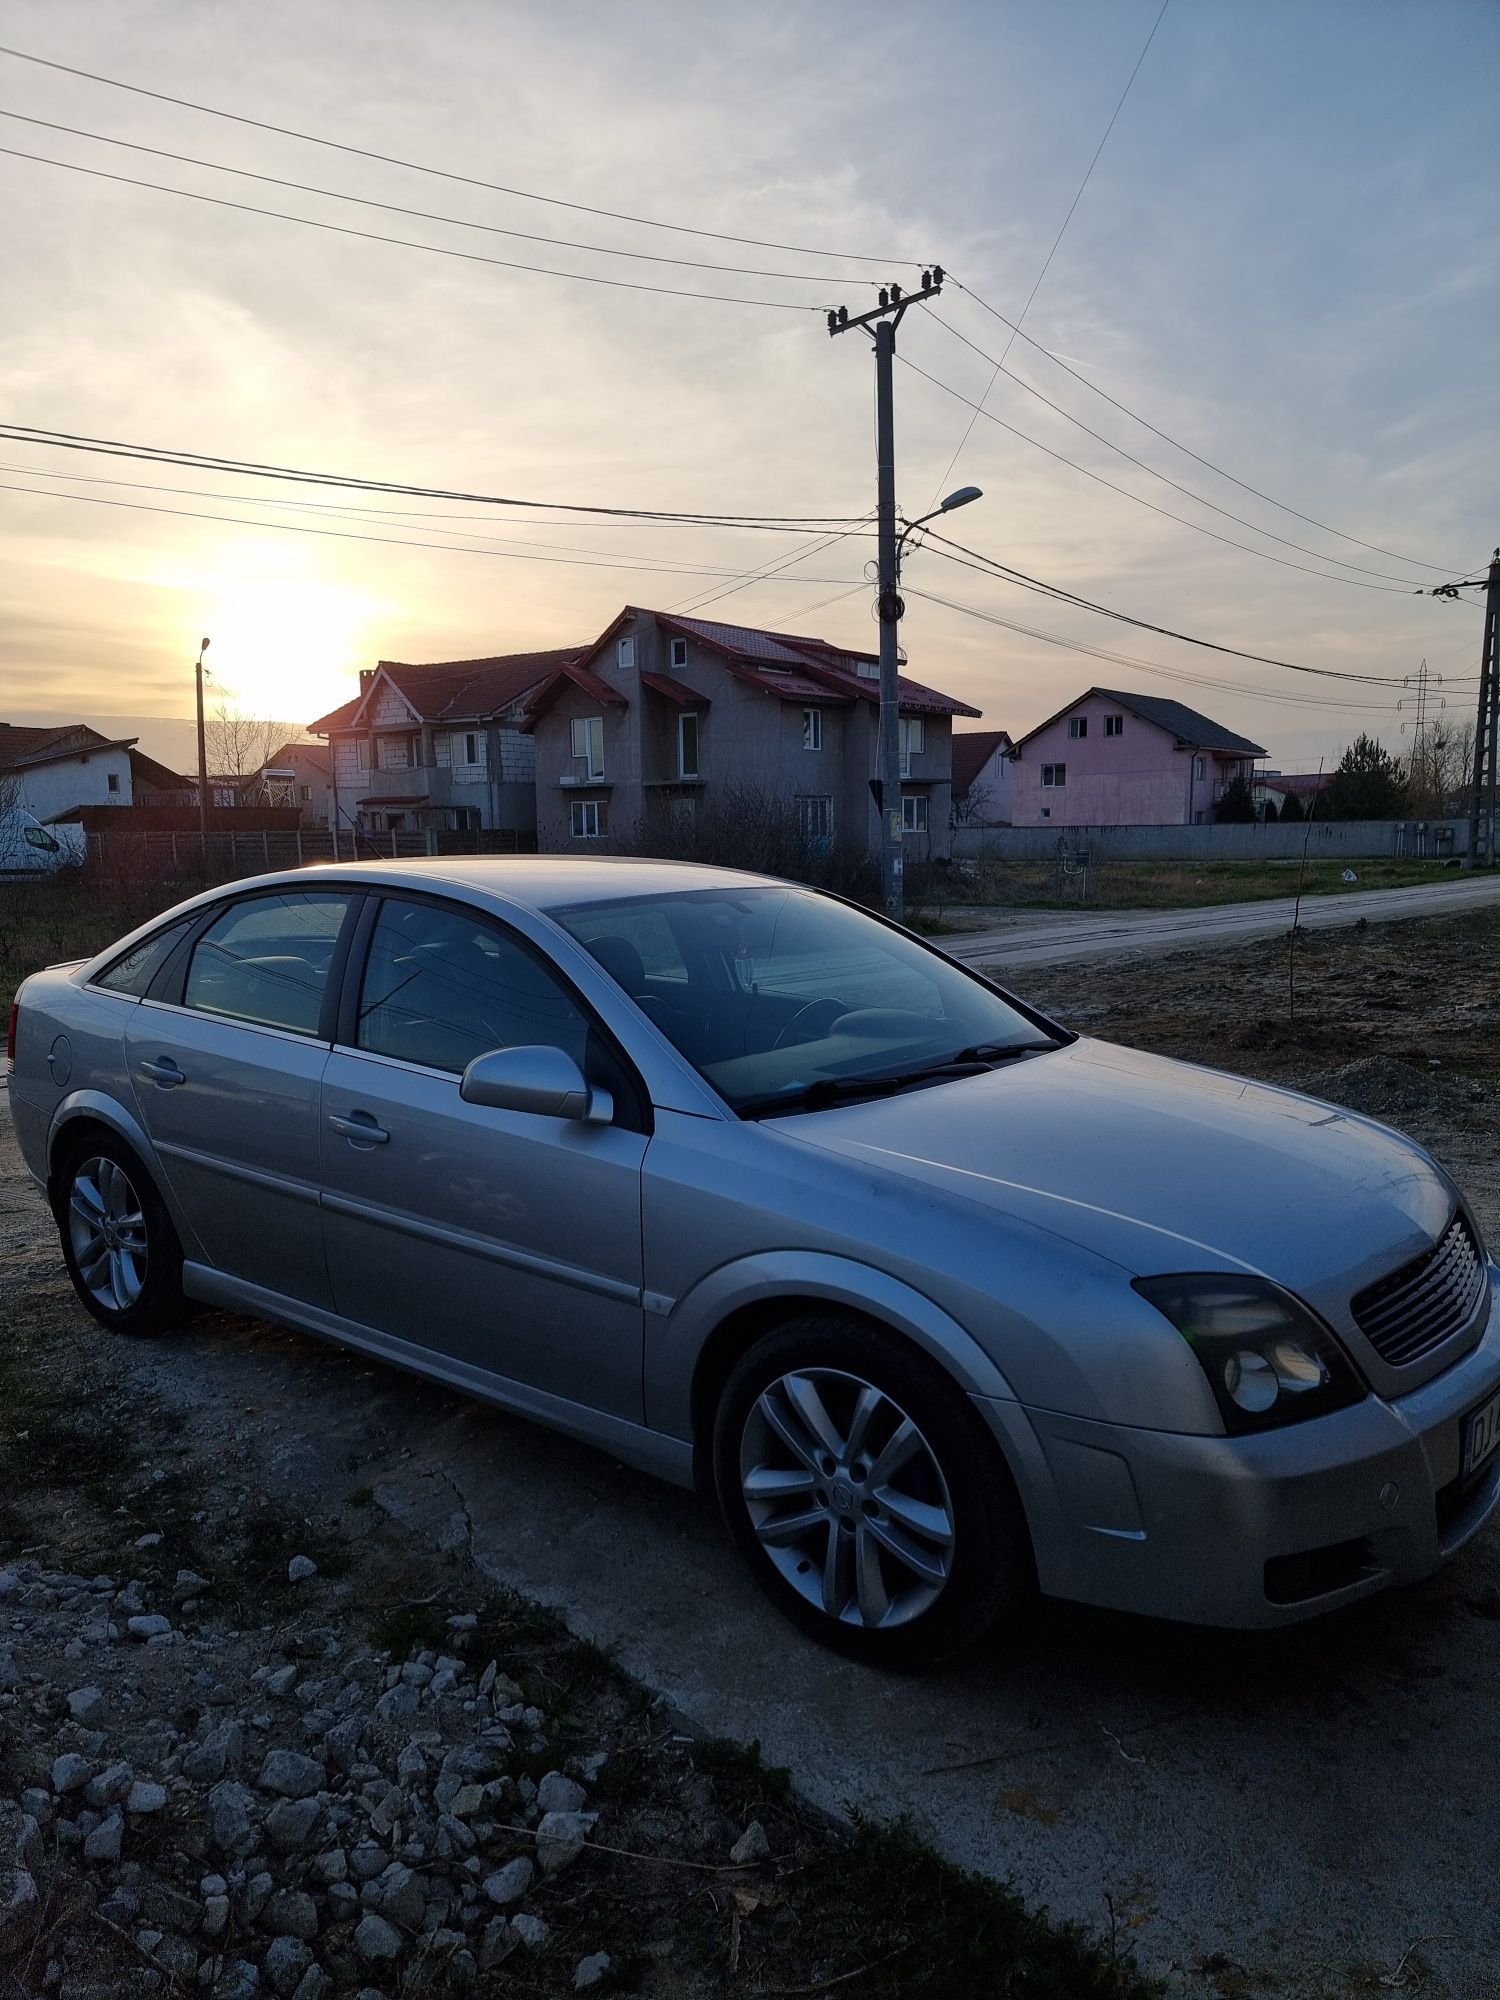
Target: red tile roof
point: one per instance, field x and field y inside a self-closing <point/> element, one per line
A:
<point x="972" y="750"/>
<point x="573" y="675"/>
<point x="675" y="691"/>
<point x="832" y="667"/>
<point x="457" y="690"/>
<point x="24" y="744"/>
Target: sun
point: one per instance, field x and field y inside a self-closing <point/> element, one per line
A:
<point x="285" y="639"/>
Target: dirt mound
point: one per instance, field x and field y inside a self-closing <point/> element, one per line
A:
<point x="1385" y="1087"/>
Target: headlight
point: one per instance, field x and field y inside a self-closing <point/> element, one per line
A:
<point x="1268" y="1360"/>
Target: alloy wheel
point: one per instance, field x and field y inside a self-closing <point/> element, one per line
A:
<point x="107" y="1231"/>
<point x="847" y="1498"/>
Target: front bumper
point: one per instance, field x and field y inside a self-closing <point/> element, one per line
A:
<point x="1185" y="1527"/>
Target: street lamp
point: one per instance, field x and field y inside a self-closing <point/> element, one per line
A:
<point x="959" y="498"/>
<point x="893" y="893"/>
<point x="202" y="752"/>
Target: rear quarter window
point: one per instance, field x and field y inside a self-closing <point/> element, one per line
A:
<point x="133" y="972"/>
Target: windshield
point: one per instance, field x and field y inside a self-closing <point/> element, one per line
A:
<point x="778" y="996"/>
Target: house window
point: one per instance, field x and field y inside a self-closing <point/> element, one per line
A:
<point x="1198" y="769"/>
<point x="306" y="794"/>
<point x="1114" y="725"/>
<point x="687" y="746"/>
<point x="362" y="752"/>
<point x="815" y="815"/>
<point x="588" y="743"/>
<point x="812" y="728"/>
<point x="913" y="740"/>
<point x="113" y="781"/>
<point x="590" y="819"/>
<point x="625" y="654"/>
<point x="1046" y="812"/>
<point x="1078" y="727"/>
<point x="1054" y="776"/>
<point x="678" y="653"/>
<point x="914" y="813"/>
<point x="471" y="746"/>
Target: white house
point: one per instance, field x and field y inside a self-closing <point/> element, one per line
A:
<point x="983" y="777"/>
<point x="54" y="770"/>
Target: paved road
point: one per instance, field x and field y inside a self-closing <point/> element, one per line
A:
<point x="1053" y="936"/>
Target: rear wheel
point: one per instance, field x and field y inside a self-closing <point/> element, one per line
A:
<point x="118" y="1241"/>
<point x="866" y="1495"/>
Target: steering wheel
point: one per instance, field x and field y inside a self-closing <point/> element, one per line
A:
<point x="832" y="1010"/>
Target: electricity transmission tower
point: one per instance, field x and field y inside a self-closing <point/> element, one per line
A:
<point x="1423" y="680"/>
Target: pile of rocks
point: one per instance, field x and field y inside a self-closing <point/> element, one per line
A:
<point x="276" y="1812"/>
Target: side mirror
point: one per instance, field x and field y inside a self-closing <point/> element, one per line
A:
<point x="545" y="1082"/>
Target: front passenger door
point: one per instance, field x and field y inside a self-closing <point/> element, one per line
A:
<point x="498" y="1241"/>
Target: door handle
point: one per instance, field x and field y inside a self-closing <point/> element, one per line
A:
<point x="360" y="1129"/>
<point x="163" y="1072"/>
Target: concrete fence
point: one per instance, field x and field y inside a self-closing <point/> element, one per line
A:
<point x="1325" y="840"/>
<point x="192" y="859"/>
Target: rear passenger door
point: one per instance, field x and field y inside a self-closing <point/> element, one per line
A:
<point x="226" y="1057"/>
<point x="503" y="1243"/>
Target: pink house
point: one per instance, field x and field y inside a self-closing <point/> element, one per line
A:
<point x="1113" y="759"/>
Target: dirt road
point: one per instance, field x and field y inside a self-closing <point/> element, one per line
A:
<point x="1273" y="1816"/>
<point x="1054" y="936"/>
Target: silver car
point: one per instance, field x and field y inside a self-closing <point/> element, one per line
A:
<point x="756" y="1191"/>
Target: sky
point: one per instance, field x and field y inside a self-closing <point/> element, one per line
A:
<point x="1285" y="258"/>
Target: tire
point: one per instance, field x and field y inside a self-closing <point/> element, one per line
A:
<point x="118" y="1241"/>
<point x="807" y="1417"/>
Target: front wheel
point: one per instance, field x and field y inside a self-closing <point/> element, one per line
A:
<point x="866" y="1495"/>
<point x="118" y="1241"/>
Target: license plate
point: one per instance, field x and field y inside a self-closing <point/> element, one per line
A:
<point x="1481" y="1435"/>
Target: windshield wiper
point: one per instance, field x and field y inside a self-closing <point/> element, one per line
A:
<point x="831" y="1090"/>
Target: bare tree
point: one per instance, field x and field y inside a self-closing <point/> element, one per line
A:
<point x="238" y="744"/>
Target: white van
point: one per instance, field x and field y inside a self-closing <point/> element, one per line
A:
<point x="29" y="848"/>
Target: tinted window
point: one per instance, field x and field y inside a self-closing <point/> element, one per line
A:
<point x="786" y="989"/>
<point x="441" y="987"/>
<point x="266" y="960"/>
<point x="135" y="971"/>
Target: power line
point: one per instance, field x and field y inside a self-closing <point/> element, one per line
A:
<point x="1416" y="562"/>
<point x="1145" y="666"/>
<point x="388" y="541"/>
<point x="969" y="558"/>
<point x="765" y="572"/>
<point x="430" y="215"/>
<point x="1188" y="492"/>
<point x="1182" y="521"/>
<point x="349" y="482"/>
<point x="404" y="242"/>
<point x="1046" y="267"/>
<point x="443" y="173"/>
<point x="361" y="514"/>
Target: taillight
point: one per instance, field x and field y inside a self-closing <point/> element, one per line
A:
<point x="10" y="1034"/>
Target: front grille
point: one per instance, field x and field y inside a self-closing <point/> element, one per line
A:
<point x="1428" y="1300"/>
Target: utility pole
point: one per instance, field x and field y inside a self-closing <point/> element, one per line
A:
<point x="202" y="752"/>
<point x="884" y="319"/>
<point x="1482" y="813"/>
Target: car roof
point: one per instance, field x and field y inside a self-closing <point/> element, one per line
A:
<point x="541" y="881"/>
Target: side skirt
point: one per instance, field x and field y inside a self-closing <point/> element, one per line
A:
<point x="649" y="1451"/>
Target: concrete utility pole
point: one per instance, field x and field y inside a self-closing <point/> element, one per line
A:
<point x="1482" y="808"/>
<point x="202" y="752"/>
<point x="885" y="318"/>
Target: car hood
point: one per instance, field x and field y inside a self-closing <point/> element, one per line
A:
<point x="1159" y="1165"/>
